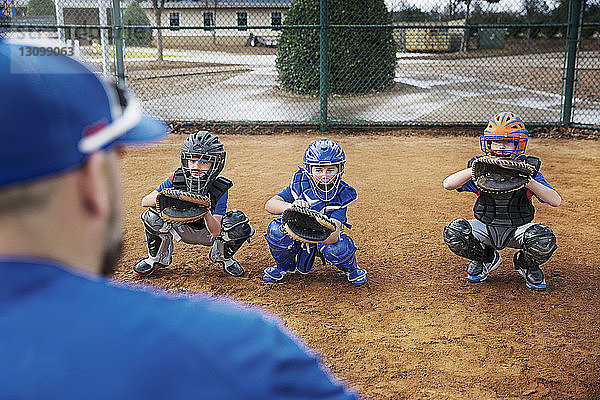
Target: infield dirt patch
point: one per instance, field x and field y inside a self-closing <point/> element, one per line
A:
<point x="417" y="329"/>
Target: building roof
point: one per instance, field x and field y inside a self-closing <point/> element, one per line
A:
<point x="222" y="3"/>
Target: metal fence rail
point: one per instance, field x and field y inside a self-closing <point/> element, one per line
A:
<point x="456" y="63"/>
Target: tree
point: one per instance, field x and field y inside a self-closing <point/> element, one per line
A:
<point x="360" y="59"/>
<point x="535" y="12"/>
<point x="134" y="15"/>
<point x="158" y="7"/>
<point x="37" y="8"/>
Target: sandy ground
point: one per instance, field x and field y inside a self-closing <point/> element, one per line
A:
<point x="417" y="329"/>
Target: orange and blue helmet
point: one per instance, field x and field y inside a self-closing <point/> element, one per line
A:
<point x="508" y="127"/>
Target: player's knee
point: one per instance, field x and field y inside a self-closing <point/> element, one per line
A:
<point x="457" y="233"/>
<point x="152" y="221"/>
<point x="235" y="230"/>
<point x="339" y="252"/>
<point x="235" y="227"/>
<point x="276" y="237"/>
<point x="539" y="242"/>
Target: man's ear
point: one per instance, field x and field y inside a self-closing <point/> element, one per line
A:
<point x="93" y="185"/>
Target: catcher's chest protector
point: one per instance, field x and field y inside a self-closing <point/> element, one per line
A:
<point x="215" y="190"/>
<point x="504" y="209"/>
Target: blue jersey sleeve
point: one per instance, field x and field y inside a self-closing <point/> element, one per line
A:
<point x="221" y="206"/>
<point x="286" y="194"/>
<point x="468" y="187"/>
<point x="540" y="179"/>
<point x="165" y="185"/>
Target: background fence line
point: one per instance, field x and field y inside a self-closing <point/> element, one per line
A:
<point x="221" y="61"/>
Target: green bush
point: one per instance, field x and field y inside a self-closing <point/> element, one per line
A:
<point x="38" y="8"/>
<point x="360" y="60"/>
<point x="134" y="15"/>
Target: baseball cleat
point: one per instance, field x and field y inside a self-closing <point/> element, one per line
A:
<point x="275" y="275"/>
<point x="143" y="268"/>
<point x="357" y="276"/>
<point x="478" y="271"/>
<point x="534" y="277"/>
<point x="233" y="268"/>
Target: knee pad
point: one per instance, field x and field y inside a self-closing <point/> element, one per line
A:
<point x="235" y="230"/>
<point x="276" y="237"/>
<point x="340" y="253"/>
<point x="152" y="221"/>
<point x="458" y="235"/>
<point x="539" y="242"/>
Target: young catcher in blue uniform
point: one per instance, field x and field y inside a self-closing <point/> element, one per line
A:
<point x="202" y="160"/>
<point x="504" y="209"/>
<point x="318" y="187"/>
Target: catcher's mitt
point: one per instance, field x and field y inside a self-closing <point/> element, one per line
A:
<point x="177" y="206"/>
<point x="307" y="225"/>
<point x="501" y="175"/>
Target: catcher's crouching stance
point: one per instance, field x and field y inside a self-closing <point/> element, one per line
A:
<point x="313" y="208"/>
<point x="504" y="180"/>
<point x="191" y="206"/>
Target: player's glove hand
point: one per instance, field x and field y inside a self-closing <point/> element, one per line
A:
<point x="307" y="225"/>
<point x="503" y="175"/>
<point x="181" y="207"/>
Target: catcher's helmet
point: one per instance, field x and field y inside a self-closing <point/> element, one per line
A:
<point x="203" y="146"/>
<point x="324" y="153"/>
<point x="505" y="126"/>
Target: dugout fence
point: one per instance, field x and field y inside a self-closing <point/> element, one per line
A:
<point x="314" y="62"/>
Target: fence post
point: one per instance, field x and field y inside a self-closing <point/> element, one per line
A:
<point x="118" y="35"/>
<point x="60" y="20"/>
<point x="324" y="64"/>
<point x="572" y="50"/>
<point x="104" y="38"/>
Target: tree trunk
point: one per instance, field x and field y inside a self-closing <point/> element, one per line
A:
<point x="467" y="37"/>
<point x="157" y="14"/>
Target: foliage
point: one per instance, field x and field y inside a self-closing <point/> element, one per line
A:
<point x="134" y="15"/>
<point x="360" y="60"/>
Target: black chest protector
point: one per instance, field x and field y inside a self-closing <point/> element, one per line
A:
<point x="502" y="213"/>
<point x="215" y="190"/>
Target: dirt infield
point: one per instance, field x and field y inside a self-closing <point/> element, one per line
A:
<point x="417" y="330"/>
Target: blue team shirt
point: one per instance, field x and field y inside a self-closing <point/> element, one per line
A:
<point x="300" y="188"/>
<point x="470" y="186"/>
<point x="220" y="207"/>
<point x="65" y="335"/>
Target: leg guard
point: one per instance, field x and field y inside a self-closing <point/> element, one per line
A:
<point x="459" y="237"/>
<point x="340" y="253"/>
<point x="539" y="243"/>
<point x="160" y="242"/>
<point x="283" y="248"/>
<point x="235" y="230"/>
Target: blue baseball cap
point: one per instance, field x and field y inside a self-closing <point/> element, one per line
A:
<point x="56" y="112"/>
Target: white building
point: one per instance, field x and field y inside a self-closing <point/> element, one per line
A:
<point x="203" y="15"/>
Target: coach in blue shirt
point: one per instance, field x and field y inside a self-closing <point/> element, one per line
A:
<point x="66" y="332"/>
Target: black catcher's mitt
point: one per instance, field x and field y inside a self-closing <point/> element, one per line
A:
<point x="307" y="225"/>
<point x="182" y="207"/>
<point x="502" y="175"/>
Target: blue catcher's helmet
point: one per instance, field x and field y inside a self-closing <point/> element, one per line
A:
<point x="322" y="153"/>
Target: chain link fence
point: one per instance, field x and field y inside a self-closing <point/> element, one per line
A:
<point x="341" y="62"/>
